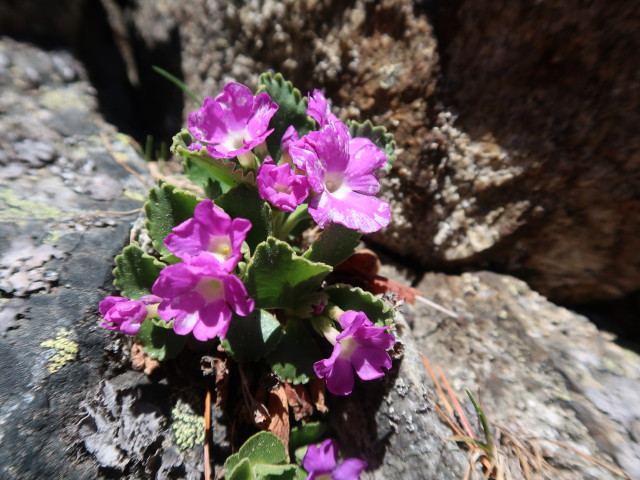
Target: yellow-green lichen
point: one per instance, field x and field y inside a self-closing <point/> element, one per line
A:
<point x="64" y="99"/>
<point x="134" y="195"/>
<point x="123" y="138"/>
<point x="20" y="211"/>
<point x="187" y="426"/>
<point x="52" y="236"/>
<point x="65" y="350"/>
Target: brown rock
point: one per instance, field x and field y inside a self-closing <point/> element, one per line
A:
<point x="538" y="174"/>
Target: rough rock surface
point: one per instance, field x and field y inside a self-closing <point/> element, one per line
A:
<point x="539" y="174"/>
<point x="67" y="410"/>
<point x="543" y="373"/>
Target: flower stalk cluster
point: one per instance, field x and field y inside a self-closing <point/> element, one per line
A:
<point x="233" y="256"/>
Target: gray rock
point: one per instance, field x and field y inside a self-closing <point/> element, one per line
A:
<point x="543" y="373"/>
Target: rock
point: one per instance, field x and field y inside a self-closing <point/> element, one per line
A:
<point x="545" y="375"/>
<point x="536" y="171"/>
<point x="55" y="260"/>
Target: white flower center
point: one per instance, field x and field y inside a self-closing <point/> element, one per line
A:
<point x="220" y="247"/>
<point x="210" y="288"/>
<point x="347" y="346"/>
<point x="332" y="181"/>
<point x="234" y="140"/>
<point x="282" y="188"/>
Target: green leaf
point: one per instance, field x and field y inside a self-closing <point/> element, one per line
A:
<point x="292" y="110"/>
<point x="377" y="135"/>
<point x="198" y="171"/>
<point x="276" y="472"/>
<point x="135" y="272"/>
<point x="293" y="358"/>
<point x="167" y="207"/>
<point x="231" y="462"/>
<point x="299" y="454"/>
<point x="242" y="471"/>
<point x="252" y="337"/>
<point x="484" y="422"/>
<point x="301" y="474"/>
<point x="306" y="434"/>
<point x="277" y="277"/>
<point x="159" y="340"/>
<point x="264" y="447"/>
<point x="354" y="298"/>
<point x="178" y="83"/>
<point x="201" y="168"/>
<point x="476" y="443"/>
<point x="334" y="245"/>
<point x="273" y="472"/>
<point x="243" y="201"/>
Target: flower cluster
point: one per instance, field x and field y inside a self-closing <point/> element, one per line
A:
<point x="338" y="171"/>
<point x="235" y="254"/>
<point x="198" y="294"/>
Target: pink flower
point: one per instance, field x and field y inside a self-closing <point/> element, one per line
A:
<point x="280" y="186"/>
<point x="341" y="170"/>
<point x="359" y="346"/>
<point x="210" y="232"/>
<point x="200" y="298"/>
<point x="320" y="110"/>
<point x="322" y="462"/>
<point x="233" y="122"/>
<point x="126" y="316"/>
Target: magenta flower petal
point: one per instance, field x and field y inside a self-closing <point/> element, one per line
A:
<point x="236" y="294"/>
<point x="280" y="186"/>
<point x="233" y="122"/>
<point x="350" y="469"/>
<point x="210" y="232"/>
<point x="205" y="307"/>
<point x="353" y="210"/>
<point x="214" y="320"/>
<point x="184" y="309"/>
<point x="368" y="362"/>
<point x="179" y="281"/>
<point x="124" y="315"/>
<point x="290" y="136"/>
<point x="361" y="147"/>
<point x="322" y="461"/>
<point x="108" y="303"/>
<point x="319" y="109"/>
<point x="340" y="379"/>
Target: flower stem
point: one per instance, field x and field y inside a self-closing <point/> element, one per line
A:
<point x="324" y="326"/>
<point x="291" y="222"/>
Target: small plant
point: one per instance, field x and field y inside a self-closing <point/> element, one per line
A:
<point x="232" y="270"/>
